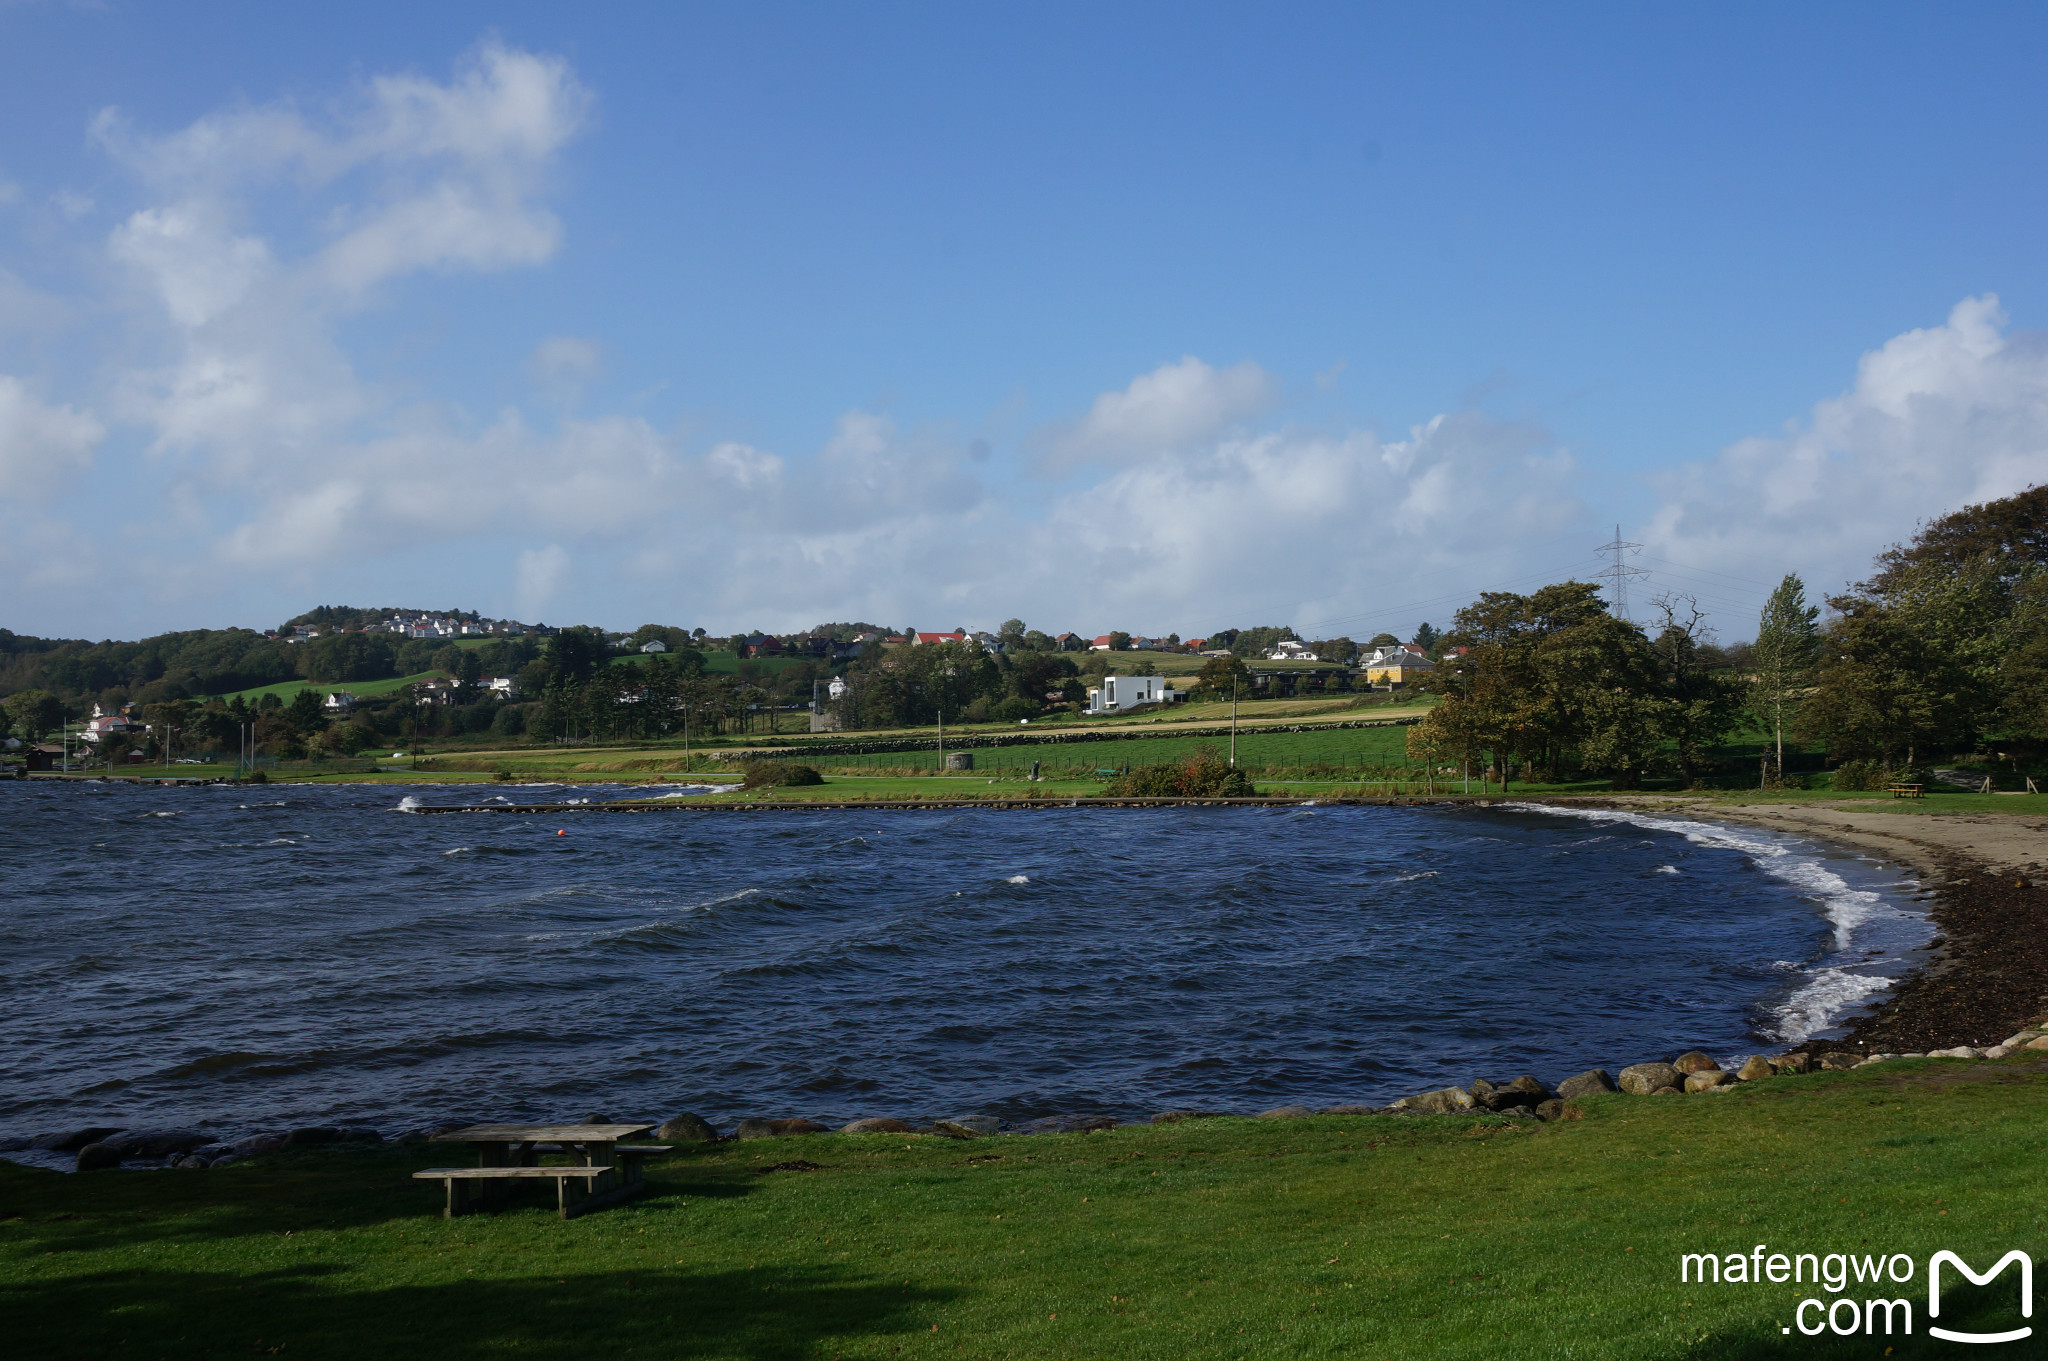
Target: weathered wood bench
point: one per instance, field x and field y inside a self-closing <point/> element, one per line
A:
<point x="1904" y="791"/>
<point x="508" y="1155"/>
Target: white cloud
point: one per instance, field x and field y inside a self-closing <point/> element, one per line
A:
<point x="1175" y="406"/>
<point x="41" y="445"/>
<point x="1938" y="418"/>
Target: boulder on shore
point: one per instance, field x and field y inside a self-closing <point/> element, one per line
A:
<point x="876" y="1124"/>
<point x="1693" y="1061"/>
<point x="1552" y="1109"/>
<point x="1592" y="1082"/>
<point x="1347" y="1110"/>
<point x="1666" y="1091"/>
<point x="1444" y="1101"/>
<point x="95" y="1157"/>
<point x="1706" y="1079"/>
<point x="798" y="1125"/>
<point x="1286" y="1113"/>
<point x="156" y="1143"/>
<point x="1754" y="1067"/>
<point x="1840" y="1060"/>
<point x="1644" y="1079"/>
<point x="1793" y="1063"/>
<point x="967" y="1127"/>
<point x="687" y="1129"/>
<point x="755" y="1129"/>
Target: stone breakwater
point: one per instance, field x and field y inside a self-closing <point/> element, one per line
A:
<point x="97" y="1148"/>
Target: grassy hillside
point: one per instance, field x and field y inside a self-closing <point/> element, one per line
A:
<point x="285" y="690"/>
<point x="1334" y="1236"/>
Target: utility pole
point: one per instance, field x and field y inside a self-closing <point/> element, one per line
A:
<point x="942" y="741"/>
<point x="1617" y="575"/>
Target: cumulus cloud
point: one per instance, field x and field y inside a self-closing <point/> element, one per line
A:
<point x="1937" y="418"/>
<point x="41" y="445"/>
<point x="1175" y="406"/>
<point x="539" y="576"/>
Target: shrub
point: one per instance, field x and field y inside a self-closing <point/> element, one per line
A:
<point x="1014" y="708"/>
<point x="1203" y="775"/>
<point x="1861" y="775"/>
<point x="772" y="774"/>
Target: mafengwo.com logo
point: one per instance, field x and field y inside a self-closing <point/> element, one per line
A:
<point x="1866" y="1289"/>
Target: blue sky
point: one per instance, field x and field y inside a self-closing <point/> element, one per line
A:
<point x="1151" y="317"/>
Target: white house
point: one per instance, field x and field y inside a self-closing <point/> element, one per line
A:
<point x="503" y="687"/>
<point x="1290" y="650"/>
<point x="837" y="688"/>
<point x="107" y="725"/>
<point x="655" y="645"/>
<point x="339" y="702"/>
<point x="1128" y="692"/>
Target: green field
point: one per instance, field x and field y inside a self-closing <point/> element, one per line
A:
<point x="286" y="690"/>
<point x="1328" y="1237"/>
<point x="1346" y="748"/>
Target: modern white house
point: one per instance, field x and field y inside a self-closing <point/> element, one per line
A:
<point x="1290" y="650"/>
<point x="1128" y="692"/>
<point x="338" y="702"/>
<point x="654" y="645"/>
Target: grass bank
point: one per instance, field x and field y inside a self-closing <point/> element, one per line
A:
<point x="1334" y="1236"/>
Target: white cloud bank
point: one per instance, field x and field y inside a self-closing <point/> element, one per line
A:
<point x="1938" y="418"/>
<point x="1184" y="499"/>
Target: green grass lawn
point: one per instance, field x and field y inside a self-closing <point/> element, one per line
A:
<point x="1256" y="751"/>
<point x="1340" y="1237"/>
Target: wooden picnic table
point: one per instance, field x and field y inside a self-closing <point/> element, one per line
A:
<point x="607" y="1168"/>
<point x="1904" y="791"/>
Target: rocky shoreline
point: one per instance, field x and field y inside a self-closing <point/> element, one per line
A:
<point x="99" y="1148"/>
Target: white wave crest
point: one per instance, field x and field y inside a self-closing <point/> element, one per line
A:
<point x="1814" y="1007"/>
<point x="1017" y="879"/>
<point x="1666" y="869"/>
<point x="408" y="804"/>
<point x="1784" y="859"/>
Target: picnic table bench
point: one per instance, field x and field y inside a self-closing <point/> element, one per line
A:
<point x="1904" y="791"/>
<point x="509" y="1156"/>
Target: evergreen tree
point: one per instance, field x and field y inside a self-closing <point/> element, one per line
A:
<point x="1787" y="641"/>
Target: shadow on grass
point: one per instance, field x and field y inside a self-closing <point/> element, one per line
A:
<point x="314" y="1311"/>
<point x="1965" y="1308"/>
<point x="67" y="1212"/>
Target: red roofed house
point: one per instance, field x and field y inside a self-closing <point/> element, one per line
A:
<point x="917" y="639"/>
<point x="1101" y="643"/>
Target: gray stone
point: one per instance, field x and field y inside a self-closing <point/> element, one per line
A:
<point x="1592" y="1082"/>
<point x="969" y="1126"/>
<point x="156" y="1143"/>
<point x="1069" y="1124"/>
<point x="1444" y="1101"/>
<point x="96" y="1157"/>
<point x="1693" y="1061"/>
<point x="755" y="1129"/>
<point x="1286" y="1113"/>
<point x="687" y="1129"/>
<point x="798" y="1125"/>
<point x="1528" y="1084"/>
<point x="192" y="1162"/>
<point x="1706" y="1079"/>
<point x="1549" y="1110"/>
<point x="1643" y="1079"/>
<point x="74" y="1140"/>
<point x="1754" y="1067"/>
<point x="255" y="1144"/>
<point x="1840" y="1060"/>
<point x="875" y="1124"/>
<point x="1961" y="1051"/>
<point x="1666" y="1091"/>
<point x="1787" y="1064"/>
<point x="308" y="1135"/>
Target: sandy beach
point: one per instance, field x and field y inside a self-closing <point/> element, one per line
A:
<point x="1987" y="976"/>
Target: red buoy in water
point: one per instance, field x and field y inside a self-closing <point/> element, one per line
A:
<point x="563" y="832"/>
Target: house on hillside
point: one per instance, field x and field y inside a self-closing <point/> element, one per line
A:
<point x="920" y="639"/>
<point x="1397" y="664"/>
<point x="1069" y="642"/>
<point x="107" y="725"/>
<point x="655" y="645"/>
<point x="1128" y="692"/>
<point x="1291" y="650"/>
<point x="501" y="687"/>
<point x="1101" y="643"/>
<point x="338" y="702"/>
<point x="1195" y="644"/>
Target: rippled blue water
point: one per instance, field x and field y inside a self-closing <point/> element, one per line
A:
<point x="250" y="959"/>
